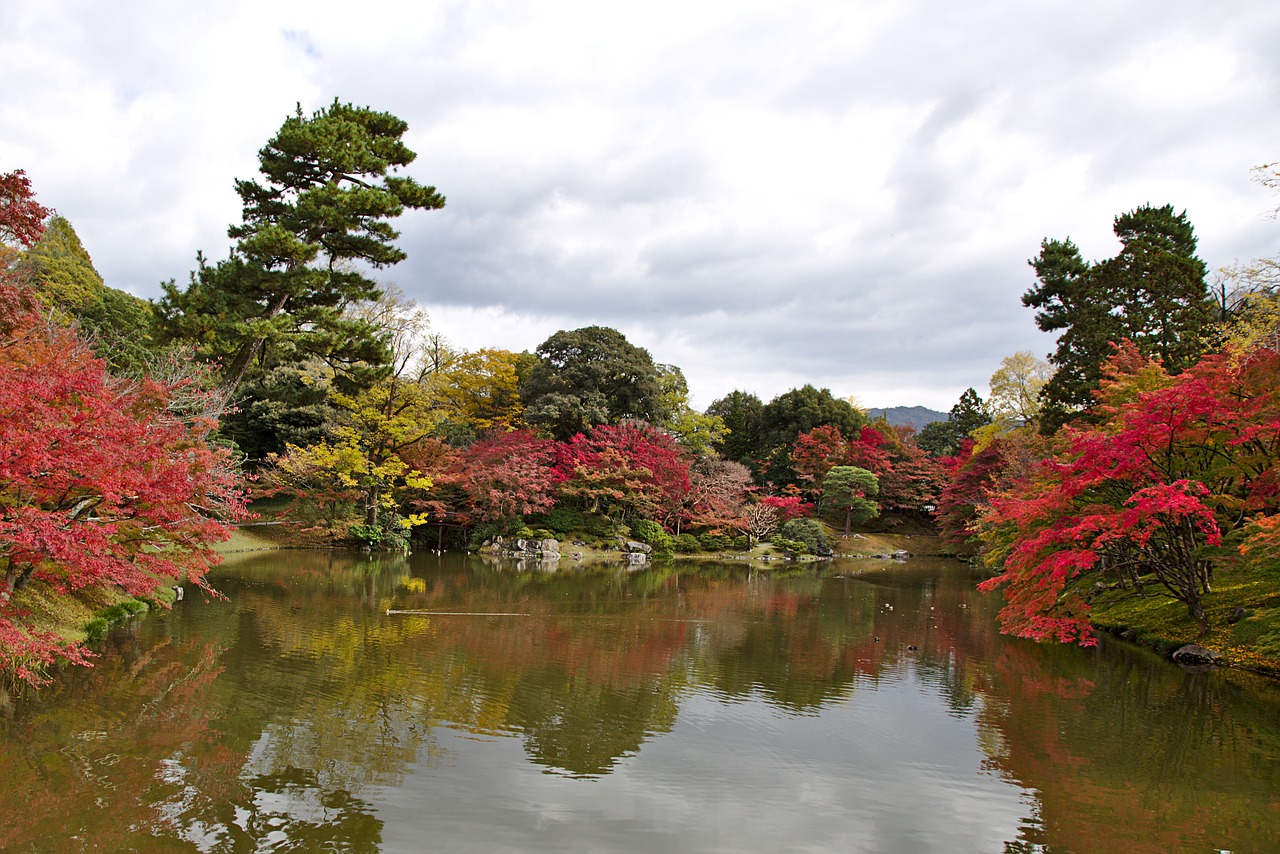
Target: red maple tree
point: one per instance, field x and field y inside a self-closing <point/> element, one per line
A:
<point x="104" y="482"/>
<point x="1143" y="498"/>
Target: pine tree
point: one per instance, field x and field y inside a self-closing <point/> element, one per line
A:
<point x="1153" y="292"/>
<point x="321" y="217"/>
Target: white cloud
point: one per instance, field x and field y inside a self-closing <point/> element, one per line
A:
<point x="765" y="194"/>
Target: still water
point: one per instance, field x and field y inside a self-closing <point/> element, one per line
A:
<point x="855" y="706"/>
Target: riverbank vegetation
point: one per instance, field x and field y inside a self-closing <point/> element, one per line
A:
<point x="1138" y="465"/>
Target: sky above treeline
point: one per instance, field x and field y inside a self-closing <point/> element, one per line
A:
<point x="766" y="194"/>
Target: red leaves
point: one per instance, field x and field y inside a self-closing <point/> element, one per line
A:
<point x="21" y="216"/>
<point x="1178" y="463"/>
<point x="908" y="478"/>
<point x="788" y="507"/>
<point x="509" y="474"/>
<point x="631" y="466"/>
<point x="102" y="484"/>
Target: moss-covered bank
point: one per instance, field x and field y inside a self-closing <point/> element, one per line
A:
<point x="1244" y="620"/>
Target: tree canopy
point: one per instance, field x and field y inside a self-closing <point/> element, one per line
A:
<point x="591" y="376"/>
<point x="309" y="230"/>
<point x="846" y="488"/>
<point x="1153" y="292"/>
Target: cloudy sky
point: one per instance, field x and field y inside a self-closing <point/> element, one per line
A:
<point x="763" y="193"/>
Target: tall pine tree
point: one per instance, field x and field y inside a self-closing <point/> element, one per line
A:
<point x="1153" y="292"/>
<point x="320" y="218"/>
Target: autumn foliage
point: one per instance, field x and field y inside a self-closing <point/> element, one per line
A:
<point x="1178" y="468"/>
<point x="104" y="482"/>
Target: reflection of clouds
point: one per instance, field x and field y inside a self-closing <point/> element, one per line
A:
<point x="888" y="770"/>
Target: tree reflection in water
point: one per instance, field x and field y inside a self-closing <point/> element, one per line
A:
<point x="277" y="716"/>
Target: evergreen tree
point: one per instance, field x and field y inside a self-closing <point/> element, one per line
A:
<point x="943" y="438"/>
<point x="591" y="376"/>
<point x="64" y="273"/>
<point x="741" y="412"/>
<point x="118" y="324"/>
<point x="1153" y="292"/>
<point x="321" y="217"/>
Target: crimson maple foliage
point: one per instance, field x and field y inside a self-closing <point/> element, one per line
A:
<point x="21" y="216"/>
<point x="509" y="474"/>
<point x="1144" y="497"/>
<point x="788" y="506"/>
<point x="631" y="466"/>
<point x="973" y="476"/>
<point x="104" y="482"/>
<point x="909" y="479"/>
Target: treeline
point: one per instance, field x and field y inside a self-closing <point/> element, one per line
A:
<point x="289" y="361"/>
<point x="1140" y="457"/>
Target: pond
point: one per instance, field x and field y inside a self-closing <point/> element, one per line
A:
<point x="847" y="706"/>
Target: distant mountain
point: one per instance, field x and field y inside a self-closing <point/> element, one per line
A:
<point x="914" y="416"/>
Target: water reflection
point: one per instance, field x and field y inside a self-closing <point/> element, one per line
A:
<point x="853" y="707"/>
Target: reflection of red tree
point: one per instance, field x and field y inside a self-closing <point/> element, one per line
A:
<point x="92" y="764"/>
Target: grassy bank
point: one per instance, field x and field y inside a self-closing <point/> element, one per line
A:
<point x="83" y="617"/>
<point x="1244" y="619"/>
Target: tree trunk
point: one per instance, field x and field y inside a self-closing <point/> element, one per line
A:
<point x="244" y="357"/>
<point x="848" y="520"/>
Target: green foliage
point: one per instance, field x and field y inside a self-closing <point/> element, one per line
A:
<point x="565" y="520"/>
<point x="799" y="411"/>
<point x="647" y="531"/>
<point x="591" y="376"/>
<point x="118" y="324"/>
<point x="741" y="413"/>
<point x="686" y="544"/>
<point x="845" y="489"/>
<point x="809" y="533"/>
<point x="599" y="526"/>
<point x="481" y="534"/>
<point x="943" y="438"/>
<point x="792" y="546"/>
<point x="63" y="270"/>
<point x="719" y="542"/>
<point x="309" y="232"/>
<point x="1153" y="292"/>
<point x="284" y="404"/>
<point x="96" y="629"/>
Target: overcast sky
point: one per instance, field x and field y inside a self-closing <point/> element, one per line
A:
<point x="763" y="193"/>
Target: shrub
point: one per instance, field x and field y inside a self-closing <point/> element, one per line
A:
<point x="368" y="535"/>
<point x="793" y="546"/>
<point x="599" y="526"/>
<point x="716" y="542"/>
<point x="687" y="543"/>
<point x="646" y="531"/>
<point x="95" y="629"/>
<point x="809" y="532"/>
<point x="481" y="534"/>
<point x="564" y="520"/>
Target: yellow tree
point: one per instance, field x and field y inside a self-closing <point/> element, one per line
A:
<point x="482" y="390"/>
<point x="1014" y="401"/>
<point x="364" y="459"/>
